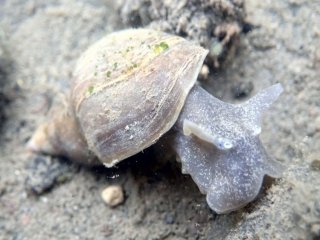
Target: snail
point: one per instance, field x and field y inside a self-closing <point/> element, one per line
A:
<point x="133" y="86"/>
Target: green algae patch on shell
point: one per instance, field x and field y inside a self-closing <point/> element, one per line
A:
<point x="159" y="48"/>
<point x="138" y="80"/>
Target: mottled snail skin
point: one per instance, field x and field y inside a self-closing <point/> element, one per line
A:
<point x="132" y="86"/>
<point x="218" y="145"/>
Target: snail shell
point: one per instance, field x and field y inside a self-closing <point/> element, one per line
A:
<point x="127" y="91"/>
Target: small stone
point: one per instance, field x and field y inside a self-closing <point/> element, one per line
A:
<point x="315" y="165"/>
<point x="45" y="172"/>
<point x="112" y="195"/>
<point x="204" y="71"/>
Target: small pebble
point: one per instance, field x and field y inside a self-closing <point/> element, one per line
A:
<point x="45" y="172"/>
<point x="315" y="165"/>
<point x="204" y="71"/>
<point x="112" y="195"/>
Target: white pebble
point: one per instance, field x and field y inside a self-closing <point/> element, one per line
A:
<point x="204" y="71"/>
<point x="112" y="195"/>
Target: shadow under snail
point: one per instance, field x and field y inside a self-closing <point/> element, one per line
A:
<point x="133" y="86"/>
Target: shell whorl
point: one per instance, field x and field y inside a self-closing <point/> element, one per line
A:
<point x="129" y="88"/>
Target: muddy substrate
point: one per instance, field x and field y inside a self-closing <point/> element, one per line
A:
<point x="49" y="198"/>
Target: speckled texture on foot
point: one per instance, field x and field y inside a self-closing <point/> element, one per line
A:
<point x="218" y="144"/>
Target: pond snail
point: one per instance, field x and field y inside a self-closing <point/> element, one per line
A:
<point x="133" y="86"/>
